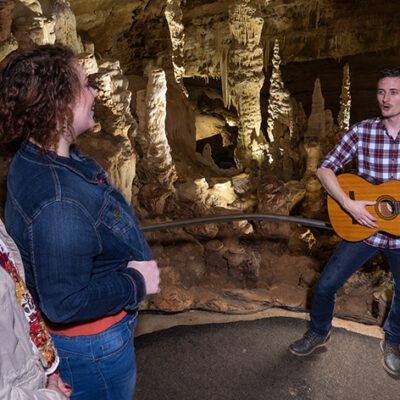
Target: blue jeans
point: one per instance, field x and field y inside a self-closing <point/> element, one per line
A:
<point x="102" y="366"/>
<point x="347" y="258"/>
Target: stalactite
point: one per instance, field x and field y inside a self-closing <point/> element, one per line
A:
<point x="317" y="13"/>
<point x="33" y="5"/>
<point x="6" y="11"/>
<point x="313" y="6"/>
<point x="345" y="101"/>
<point x="65" y="26"/>
<point x="8" y="44"/>
<point x="224" y="77"/>
<point x="245" y="79"/>
<point x="32" y="27"/>
<point x="174" y="15"/>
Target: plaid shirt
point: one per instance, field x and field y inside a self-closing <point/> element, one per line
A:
<point x="377" y="157"/>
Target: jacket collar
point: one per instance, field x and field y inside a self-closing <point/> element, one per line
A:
<point x="81" y="165"/>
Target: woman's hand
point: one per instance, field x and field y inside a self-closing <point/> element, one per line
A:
<point x="54" y="382"/>
<point x="150" y="272"/>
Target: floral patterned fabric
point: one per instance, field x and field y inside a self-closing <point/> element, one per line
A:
<point x="40" y="337"/>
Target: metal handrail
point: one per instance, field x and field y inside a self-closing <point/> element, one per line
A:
<point x="237" y="217"/>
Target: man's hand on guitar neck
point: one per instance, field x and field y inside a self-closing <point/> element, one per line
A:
<point x="357" y="209"/>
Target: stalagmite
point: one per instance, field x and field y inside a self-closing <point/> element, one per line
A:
<point x="156" y="167"/>
<point x="316" y="122"/>
<point x="314" y="140"/>
<point x="279" y="107"/>
<point x="284" y="125"/>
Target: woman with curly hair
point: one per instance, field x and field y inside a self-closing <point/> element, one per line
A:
<point x="87" y="263"/>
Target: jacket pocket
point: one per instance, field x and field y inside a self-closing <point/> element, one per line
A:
<point x="116" y="218"/>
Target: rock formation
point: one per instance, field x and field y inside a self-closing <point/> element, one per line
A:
<point x="157" y="170"/>
<point x="245" y="79"/>
<point x="345" y="101"/>
<point x="173" y="15"/>
<point x="112" y="140"/>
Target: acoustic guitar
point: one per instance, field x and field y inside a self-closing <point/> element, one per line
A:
<point x="386" y="208"/>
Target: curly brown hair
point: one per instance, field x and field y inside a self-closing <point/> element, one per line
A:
<point x="37" y="90"/>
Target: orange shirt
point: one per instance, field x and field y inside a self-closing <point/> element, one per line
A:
<point x="86" y="328"/>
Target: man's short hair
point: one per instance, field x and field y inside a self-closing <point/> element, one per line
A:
<point x="392" y="72"/>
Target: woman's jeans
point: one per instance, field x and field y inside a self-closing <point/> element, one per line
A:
<point x="347" y="258"/>
<point x="102" y="366"/>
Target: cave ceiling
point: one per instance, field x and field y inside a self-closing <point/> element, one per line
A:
<point x="137" y="32"/>
<point x="195" y="40"/>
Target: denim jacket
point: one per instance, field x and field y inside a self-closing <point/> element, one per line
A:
<point x="76" y="234"/>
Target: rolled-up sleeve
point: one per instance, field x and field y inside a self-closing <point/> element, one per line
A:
<point x="342" y="153"/>
<point x="63" y="254"/>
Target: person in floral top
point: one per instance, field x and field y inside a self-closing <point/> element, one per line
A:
<point x="23" y="336"/>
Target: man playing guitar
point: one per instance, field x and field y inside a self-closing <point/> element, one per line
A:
<point x="375" y="144"/>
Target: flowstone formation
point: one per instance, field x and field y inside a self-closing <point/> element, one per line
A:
<point x="199" y="113"/>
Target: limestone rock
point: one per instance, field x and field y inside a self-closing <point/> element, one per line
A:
<point x="65" y="26"/>
<point x="6" y="11"/>
<point x="157" y="169"/>
<point x="245" y="80"/>
<point x="173" y="15"/>
<point x="289" y="296"/>
<point x="110" y="144"/>
<point x="277" y="198"/>
<point x="345" y="101"/>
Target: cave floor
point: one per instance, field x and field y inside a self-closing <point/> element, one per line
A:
<point x="197" y="355"/>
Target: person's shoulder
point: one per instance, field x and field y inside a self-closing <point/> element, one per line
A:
<point x="365" y="125"/>
<point x="30" y="185"/>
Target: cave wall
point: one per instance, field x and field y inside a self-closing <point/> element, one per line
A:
<point x="266" y="87"/>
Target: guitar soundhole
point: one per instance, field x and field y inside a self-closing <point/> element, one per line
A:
<point x="385" y="207"/>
